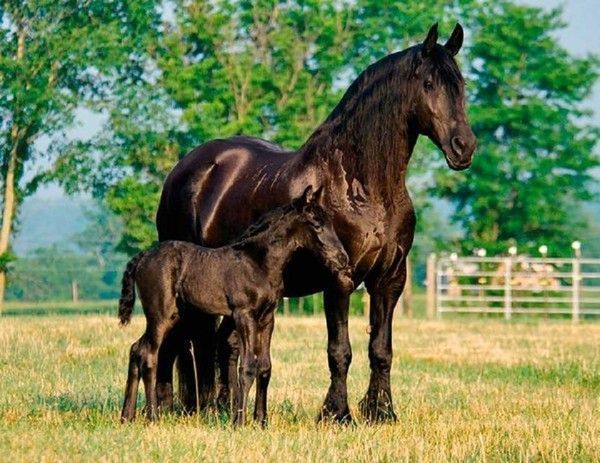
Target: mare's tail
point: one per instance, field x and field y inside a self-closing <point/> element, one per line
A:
<point x="127" y="299"/>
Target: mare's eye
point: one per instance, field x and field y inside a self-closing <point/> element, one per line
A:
<point x="428" y="85"/>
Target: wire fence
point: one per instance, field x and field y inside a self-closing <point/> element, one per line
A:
<point x="514" y="285"/>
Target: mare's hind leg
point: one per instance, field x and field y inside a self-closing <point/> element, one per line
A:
<point x="265" y="330"/>
<point x="133" y="379"/>
<point x="200" y="331"/>
<point x="227" y="357"/>
<point x="246" y="328"/>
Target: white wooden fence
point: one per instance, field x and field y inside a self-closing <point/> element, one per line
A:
<point x="514" y="285"/>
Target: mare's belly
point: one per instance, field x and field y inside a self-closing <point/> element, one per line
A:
<point x="304" y="275"/>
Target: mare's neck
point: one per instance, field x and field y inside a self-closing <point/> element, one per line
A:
<point x="372" y="130"/>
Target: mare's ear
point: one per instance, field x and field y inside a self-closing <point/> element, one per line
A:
<point x="455" y="41"/>
<point x="304" y="199"/>
<point x="430" y="40"/>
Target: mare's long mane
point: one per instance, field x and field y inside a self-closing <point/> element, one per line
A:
<point x="372" y="118"/>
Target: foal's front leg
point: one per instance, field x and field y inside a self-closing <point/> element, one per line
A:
<point x="227" y="357"/>
<point x="246" y="328"/>
<point x="265" y="330"/>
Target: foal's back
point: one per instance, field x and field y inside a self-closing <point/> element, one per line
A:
<point x="212" y="280"/>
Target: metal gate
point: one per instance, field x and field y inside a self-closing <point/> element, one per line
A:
<point x="516" y="285"/>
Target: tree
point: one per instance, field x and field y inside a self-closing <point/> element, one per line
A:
<point x="54" y="55"/>
<point x="266" y="68"/>
<point x="536" y="150"/>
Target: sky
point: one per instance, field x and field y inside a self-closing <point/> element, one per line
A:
<point x="581" y="36"/>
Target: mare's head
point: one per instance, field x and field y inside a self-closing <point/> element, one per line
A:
<point x="440" y="104"/>
<point x="312" y="229"/>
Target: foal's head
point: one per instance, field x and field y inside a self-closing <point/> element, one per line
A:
<point x="312" y="229"/>
<point x="440" y="98"/>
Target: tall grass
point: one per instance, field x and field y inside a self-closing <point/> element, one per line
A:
<point x="464" y="391"/>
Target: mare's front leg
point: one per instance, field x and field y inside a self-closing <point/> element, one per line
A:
<point x="246" y="328"/>
<point x="265" y="331"/>
<point x="377" y="404"/>
<point x="339" y="354"/>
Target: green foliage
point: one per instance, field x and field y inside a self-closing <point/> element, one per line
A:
<point x="536" y="153"/>
<point x="275" y="69"/>
<point x="55" y="57"/>
<point x="270" y="69"/>
<point x="5" y="259"/>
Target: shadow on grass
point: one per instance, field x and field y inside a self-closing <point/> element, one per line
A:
<point x="95" y="408"/>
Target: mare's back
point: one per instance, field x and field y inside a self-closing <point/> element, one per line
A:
<point x="214" y="180"/>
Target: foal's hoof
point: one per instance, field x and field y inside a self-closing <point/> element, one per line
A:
<point x="377" y="409"/>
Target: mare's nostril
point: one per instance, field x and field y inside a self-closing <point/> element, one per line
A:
<point x="458" y="145"/>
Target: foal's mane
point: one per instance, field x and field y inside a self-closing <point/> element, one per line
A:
<point x="371" y="119"/>
<point x="266" y="221"/>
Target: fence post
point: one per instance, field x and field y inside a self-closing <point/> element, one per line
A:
<point x="430" y="283"/>
<point x="315" y="298"/>
<point x="576" y="283"/>
<point x="286" y="306"/>
<point x="407" y="294"/>
<point x="74" y="291"/>
<point x="301" y="305"/>
<point x="507" y="288"/>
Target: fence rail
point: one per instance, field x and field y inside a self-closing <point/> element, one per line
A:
<point x="514" y="285"/>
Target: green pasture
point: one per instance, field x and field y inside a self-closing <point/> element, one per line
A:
<point x="464" y="389"/>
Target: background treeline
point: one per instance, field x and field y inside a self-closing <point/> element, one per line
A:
<point x="165" y="76"/>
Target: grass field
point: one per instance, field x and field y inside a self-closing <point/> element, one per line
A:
<point x="465" y="390"/>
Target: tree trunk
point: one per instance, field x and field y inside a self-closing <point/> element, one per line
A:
<point x="9" y="180"/>
<point x="9" y="207"/>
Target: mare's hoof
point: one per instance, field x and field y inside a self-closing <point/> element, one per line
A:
<point x="343" y="417"/>
<point x="378" y="409"/>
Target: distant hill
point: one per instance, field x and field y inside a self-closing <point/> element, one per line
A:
<point x="46" y="221"/>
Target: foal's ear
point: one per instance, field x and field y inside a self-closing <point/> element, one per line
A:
<point x="430" y="40"/>
<point x="305" y="198"/>
<point x="455" y="41"/>
<point x="317" y="196"/>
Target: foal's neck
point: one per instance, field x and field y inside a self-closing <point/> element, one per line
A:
<point x="271" y="249"/>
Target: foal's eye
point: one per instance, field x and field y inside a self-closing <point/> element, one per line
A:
<point x="428" y="85"/>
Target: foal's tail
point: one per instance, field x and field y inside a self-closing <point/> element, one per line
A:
<point x="127" y="299"/>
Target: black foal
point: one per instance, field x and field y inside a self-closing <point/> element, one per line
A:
<point x="243" y="281"/>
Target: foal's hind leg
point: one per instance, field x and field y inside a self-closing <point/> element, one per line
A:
<point x="265" y="330"/>
<point x="154" y="337"/>
<point x="133" y="379"/>
<point x="246" y="328"/>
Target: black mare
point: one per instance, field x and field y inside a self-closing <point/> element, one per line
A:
<point x="359" y="155"/>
